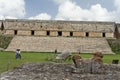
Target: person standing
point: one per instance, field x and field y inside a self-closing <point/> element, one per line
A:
<point x="55" y="52"/>
<point x="18" y="54"/>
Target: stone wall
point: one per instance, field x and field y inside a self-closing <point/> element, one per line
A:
<point x="68" y="28"/>
<point x="82" y="34"/>
<point x="59" y="71"/>
<point x="9" y="32"/>
<point x="110" y="35"/>
<point x="40" y="33"/>
<point x="56" y="33"/>
<point x="23" y="32"/>
<point x="65" y="33"/>
<point x="0" y="26"/>
<point x="53" y="33"/>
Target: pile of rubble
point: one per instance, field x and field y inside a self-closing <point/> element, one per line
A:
<point x="63" y="71"/>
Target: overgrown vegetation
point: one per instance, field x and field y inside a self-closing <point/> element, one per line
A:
<point x="8" y="61"/>
<point x="115" y="45"/>
<point x="4" y="41"/>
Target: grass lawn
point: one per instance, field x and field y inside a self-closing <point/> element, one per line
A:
<point x="8" y="58"/>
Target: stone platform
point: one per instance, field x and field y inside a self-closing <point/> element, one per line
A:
<point x="49" y="44"/>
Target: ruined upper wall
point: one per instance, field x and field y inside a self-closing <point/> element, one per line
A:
<point x="85" y="26"/>
<point x="118" y="26"/>
<point x="0" y="23"/>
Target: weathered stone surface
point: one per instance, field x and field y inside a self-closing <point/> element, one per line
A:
<point x="1" y="49"/>
<point x="49" y="44"/>
<point x="85" y="26"/>
<point x="57" y="71"/>
<point x="64" y="55"/>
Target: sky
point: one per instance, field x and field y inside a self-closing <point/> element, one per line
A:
<point x="74" y="10"/>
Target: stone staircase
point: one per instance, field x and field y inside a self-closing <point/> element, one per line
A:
<point x="49" y="44"/>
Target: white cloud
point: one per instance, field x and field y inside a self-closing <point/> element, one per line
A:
<point x="10" y="17"/>
<point x="69" y="10"/>
<point x="117" y="11"/>
<point x="60" y="1"/>
<point x="117" y="3"/>
<point x="42" y="16"/>
<point x="99" y="13"/>
<point x="12" y="9"/>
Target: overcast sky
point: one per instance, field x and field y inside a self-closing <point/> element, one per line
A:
<point x="81" y="10"/>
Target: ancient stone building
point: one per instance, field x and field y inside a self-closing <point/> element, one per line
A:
<point x="48" y="35"/>
<point x="58" y="28"/>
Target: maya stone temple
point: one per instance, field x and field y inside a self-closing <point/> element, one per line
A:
<point x="48" y="35"/>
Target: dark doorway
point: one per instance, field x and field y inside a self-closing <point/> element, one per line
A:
<point x="104" y="34"/>
<point x="48" y="33"/>
<point x="59" y="33"/>
<point x="87" y="34"/>
<point x="71" y="33"/>
<point x="2" y="26"/>
<point x="15" y="32"/>
<point x="32" y="32"/>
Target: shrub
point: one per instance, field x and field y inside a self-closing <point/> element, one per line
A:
<point x="4" y="41"/>
<point x="114" y="44"/>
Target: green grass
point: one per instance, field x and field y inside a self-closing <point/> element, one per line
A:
<point x="8" y="58"/>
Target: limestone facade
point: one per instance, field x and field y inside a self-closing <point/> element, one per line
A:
<point x="58" y="28"/>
